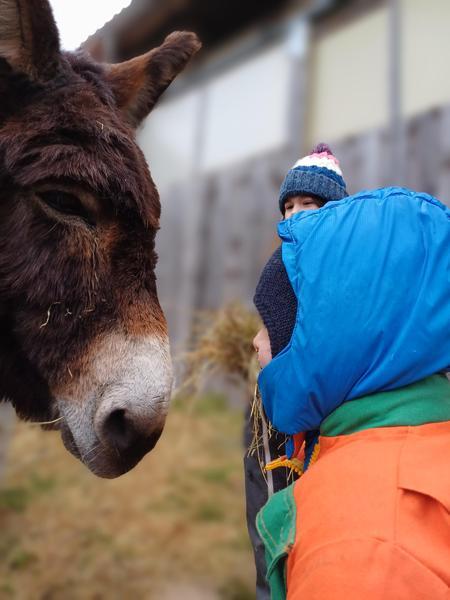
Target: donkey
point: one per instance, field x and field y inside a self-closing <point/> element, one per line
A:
<point x="83" y="339"/>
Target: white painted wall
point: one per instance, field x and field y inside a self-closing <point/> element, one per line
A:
<point x="426" y="55"/>
<point x="246" y="110"/>
<point x="350" y="70"/>
<point x="349" y="80"/>
<point x="236" y="115"/>
<point x="168" y="136"/>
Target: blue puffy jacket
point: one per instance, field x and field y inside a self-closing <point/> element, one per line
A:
<point x="372" y="277"/>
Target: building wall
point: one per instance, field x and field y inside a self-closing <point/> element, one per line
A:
<point x="426" y="55"/>
<point x="245" y="110"/>
<point x="168" y="139"/>
<point x="349" y="79"/>
<point x="235" y="115"/>
<point x="349" y="84"/>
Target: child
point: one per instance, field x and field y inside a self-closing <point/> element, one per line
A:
<point x="363" y="362"/>
<point x="312" y="181"/>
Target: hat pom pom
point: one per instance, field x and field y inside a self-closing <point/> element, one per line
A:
<point x="322" y="148"/>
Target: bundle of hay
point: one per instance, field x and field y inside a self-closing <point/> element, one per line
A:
<point x="223" y="345"/>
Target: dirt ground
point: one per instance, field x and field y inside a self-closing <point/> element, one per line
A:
<point x="172" y="528"/>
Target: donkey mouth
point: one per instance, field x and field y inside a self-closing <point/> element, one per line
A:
<point x="69" y="441"/>
<point x="111" y="426"/>
<point x="106" y="462"/>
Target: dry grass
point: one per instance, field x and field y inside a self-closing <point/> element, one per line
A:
<point x="223" y="345"/>
<point x="177" y="519"/>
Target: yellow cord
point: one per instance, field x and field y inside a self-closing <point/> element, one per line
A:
<point x="294" y="464"/>
<point x="315" y="454"/>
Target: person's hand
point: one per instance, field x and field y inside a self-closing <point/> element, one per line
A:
<point x="261" y="344"/>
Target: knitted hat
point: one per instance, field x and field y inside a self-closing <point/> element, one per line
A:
<point x="318" y="174"/>
<point x="276" y="302"/>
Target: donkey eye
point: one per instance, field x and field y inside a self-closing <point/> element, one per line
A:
<point x="65" y="203"/>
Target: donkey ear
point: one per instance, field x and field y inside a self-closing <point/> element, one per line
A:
<point x="139" y="82"/>
<point x="29" y="39"/>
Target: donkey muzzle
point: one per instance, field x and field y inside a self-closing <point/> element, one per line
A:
<point x="117" y="412"/>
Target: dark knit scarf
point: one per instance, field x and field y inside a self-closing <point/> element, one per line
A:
<point x="277" y="303"/>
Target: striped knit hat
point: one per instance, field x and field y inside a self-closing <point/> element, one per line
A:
<point x="318" y="174"/>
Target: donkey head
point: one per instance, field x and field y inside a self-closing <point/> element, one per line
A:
<point x="82" y="335"/>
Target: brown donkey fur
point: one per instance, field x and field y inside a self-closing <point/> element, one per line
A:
<point x="83" y="337"/>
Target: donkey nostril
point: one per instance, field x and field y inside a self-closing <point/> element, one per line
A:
<point x="119" y="430"/>
<point x="128" y="436"/>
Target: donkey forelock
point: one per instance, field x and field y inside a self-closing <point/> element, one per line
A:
<point x="82" y="334"/>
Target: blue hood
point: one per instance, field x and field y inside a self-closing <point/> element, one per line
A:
<point x="372" y="277"/>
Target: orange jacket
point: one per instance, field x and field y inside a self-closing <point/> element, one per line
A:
<point x="370" y="519"/>
<point x="373" y="518"/>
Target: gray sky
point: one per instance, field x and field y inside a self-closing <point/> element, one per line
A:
<point x="78" y="19"/>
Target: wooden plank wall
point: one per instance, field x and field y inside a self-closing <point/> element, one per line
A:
<point x="367" y="163"/>
<point x="216" y="235"/>
<point x="217" y="232"/>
